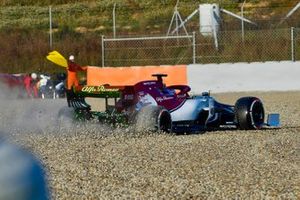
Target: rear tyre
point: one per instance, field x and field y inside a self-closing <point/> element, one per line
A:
<point x="249" y="113"/>
<point x="152" y="119"/>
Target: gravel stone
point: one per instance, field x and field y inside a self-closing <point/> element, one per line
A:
<point x="96" y="161"/>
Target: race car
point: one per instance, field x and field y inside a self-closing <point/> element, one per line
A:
<point x="151" y="105"/>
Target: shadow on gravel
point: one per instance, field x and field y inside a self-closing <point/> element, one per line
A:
<point x="289" y="127"/>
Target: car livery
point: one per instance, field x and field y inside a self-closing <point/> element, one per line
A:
<point x="151" y="105"/>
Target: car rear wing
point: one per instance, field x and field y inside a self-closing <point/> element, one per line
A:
<point x="102" y="91"/>
<point x="76" y="96"/>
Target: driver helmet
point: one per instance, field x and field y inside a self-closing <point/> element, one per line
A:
<point x="71" y="58"/>
<point x="33" y="76"/>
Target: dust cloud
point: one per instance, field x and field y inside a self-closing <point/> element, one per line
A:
<point x="43" y="116"/>
<point x="20" y="114"/>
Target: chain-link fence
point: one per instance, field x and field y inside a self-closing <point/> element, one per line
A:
<point x="254" y="46"/>
<point x="148" y="50"/>
<point x="229" y="46"/>
<point x="295" y="46"/>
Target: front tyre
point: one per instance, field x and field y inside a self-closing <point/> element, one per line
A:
<point x="249" y="113"/>
<point x="153" y="118"/>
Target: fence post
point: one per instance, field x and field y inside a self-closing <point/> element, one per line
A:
<point x="50" y="27"/>
<point x="293" y="44"/>
<point x="102" y="44"/>
<point x="114" y="20"/>
<point x="194" y="48"/>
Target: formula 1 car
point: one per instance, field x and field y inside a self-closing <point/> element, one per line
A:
<point x="150" y="105"/>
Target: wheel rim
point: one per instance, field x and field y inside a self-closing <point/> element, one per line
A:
<point x="257" y="114"/>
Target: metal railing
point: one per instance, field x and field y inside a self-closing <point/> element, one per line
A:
<point x="230" y="46"/>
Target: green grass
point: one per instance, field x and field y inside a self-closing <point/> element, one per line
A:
<point x="35" y="14"/>
<point x="79" y="25"/>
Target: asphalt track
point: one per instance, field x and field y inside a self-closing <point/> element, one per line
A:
<point x="96" y="161"/>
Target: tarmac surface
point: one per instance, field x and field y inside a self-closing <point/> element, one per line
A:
<point x="96" y="161"/>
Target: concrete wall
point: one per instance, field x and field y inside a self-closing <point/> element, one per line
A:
<point x="226" y="77"/>
<point x="268" y="76"/>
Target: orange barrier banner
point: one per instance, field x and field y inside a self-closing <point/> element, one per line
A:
<point x="177" y="74"/>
